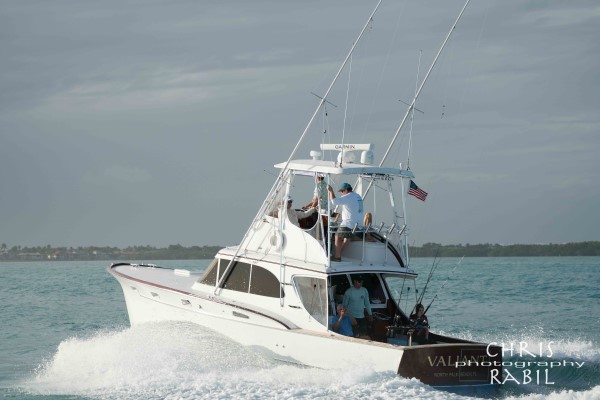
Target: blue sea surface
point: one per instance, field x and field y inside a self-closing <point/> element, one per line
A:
<point x="65" y="334"/>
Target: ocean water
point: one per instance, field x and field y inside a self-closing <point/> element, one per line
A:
<point x="64" y="334"/>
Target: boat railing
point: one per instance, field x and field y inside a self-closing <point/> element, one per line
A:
<point x="389" y="237"/>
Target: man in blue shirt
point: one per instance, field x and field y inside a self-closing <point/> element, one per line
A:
<point x="342" y="323"/>
<point x="356" y="299"/>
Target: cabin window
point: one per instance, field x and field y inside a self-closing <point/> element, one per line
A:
<point x="313" y="295"/>
<point x="371" y="282"/>
<point x="264" y="283"/>
<point x="243" y="278"/>
<point x="239" y="277"/>
<point x="210" y="275"/>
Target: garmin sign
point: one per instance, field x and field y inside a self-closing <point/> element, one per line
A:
<point x="348" y="147"/>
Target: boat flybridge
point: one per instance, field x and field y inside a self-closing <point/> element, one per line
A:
<point x="290" y="249"/>
<point x="278" y="287"/>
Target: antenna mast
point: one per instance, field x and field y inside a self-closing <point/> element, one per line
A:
<point x="284" y="169"/>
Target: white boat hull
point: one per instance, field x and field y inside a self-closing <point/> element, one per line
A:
<point x="154" y="294"/>
<point x="292" y="345"/>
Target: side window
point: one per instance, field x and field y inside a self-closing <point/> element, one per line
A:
<point x="210" y="275"/>
<point x="264" y="283"/>
<point x="313" y="295"/>
<point x="239" y="277"/>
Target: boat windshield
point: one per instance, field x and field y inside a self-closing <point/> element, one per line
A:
<point x="313" y="294"/>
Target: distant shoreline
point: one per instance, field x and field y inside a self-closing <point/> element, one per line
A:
<point x="178" y="252"/>
<point x="591" y="248"/>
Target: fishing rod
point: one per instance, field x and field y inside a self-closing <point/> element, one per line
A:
<point x="402" y="290"/>
<point x="416" y="292"/>
<point x="434" y="266"/>
<point x="444" y="284"/>
<point x="399" y="298"/>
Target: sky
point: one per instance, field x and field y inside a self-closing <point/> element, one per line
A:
<point x="159" y="122"/>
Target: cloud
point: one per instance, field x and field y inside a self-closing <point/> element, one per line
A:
<point x="165" y="88"/>
<point x="562" y="16"/>
<point x="547" y="149"/>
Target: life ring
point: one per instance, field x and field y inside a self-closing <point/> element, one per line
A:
<point x="277" y="240"/>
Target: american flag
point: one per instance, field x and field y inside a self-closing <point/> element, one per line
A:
<point x="414" y="190"/>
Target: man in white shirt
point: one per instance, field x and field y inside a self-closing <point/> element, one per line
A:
<point x="295" y="215"/>
<point x="352" y="214"/>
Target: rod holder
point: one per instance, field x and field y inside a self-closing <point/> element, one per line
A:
<point x="401" y="230"/>
<point x="391" y="228"/>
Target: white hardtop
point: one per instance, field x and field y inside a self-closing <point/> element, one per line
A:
<point x="331" y="167"/>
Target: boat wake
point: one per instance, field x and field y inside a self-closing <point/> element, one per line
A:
<point x="170" y="360"/>
<point x="181" y="360"/>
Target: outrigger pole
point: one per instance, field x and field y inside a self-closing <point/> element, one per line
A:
<point x="284" y="169"/>
<point x="412" y="104"/>
<point x="410" y="109"/>
<point x="337" y="75"/>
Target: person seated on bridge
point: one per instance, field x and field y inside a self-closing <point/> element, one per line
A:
<point x="294" y="215"/>
<point x="342" y="322"/>
<point x="368" y="221"/>
<point x="419" y="321"/>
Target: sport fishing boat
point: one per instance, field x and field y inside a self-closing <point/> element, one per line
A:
<point x="278" y="289"/>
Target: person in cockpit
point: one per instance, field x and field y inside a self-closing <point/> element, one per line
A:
<point x="342" y="322"/>
<point x="419" y="321"/>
